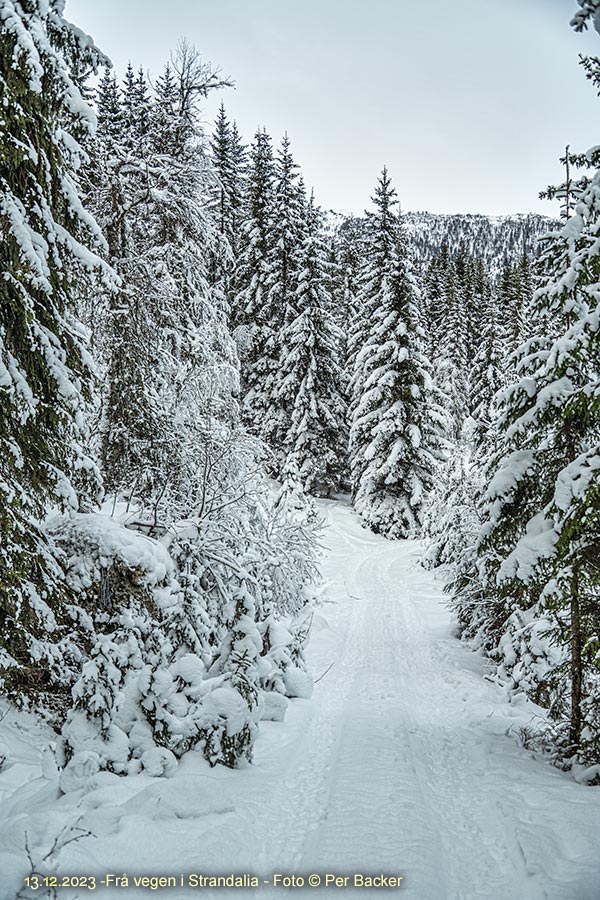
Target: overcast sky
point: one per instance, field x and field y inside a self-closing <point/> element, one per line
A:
<point x="469" y="104"/>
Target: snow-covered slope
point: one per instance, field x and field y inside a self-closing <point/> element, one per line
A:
<point x="404" y="761"/>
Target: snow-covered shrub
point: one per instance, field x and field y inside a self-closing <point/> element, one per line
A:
<point x="282" y="654"/>
<point x="177" y="639"/>
<point x="123" y="581"/>
<point x="141" y="688"/>
<point x="451" y="522"/>
<point x="529" y="662"/>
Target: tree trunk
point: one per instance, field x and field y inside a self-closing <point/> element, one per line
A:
<point x="576" y="668"/>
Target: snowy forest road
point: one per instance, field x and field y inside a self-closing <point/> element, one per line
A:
<point x="408" y="765"/>
<point x="405" y="762"/>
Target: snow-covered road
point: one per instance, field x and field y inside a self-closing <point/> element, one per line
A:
<point x="404" y="762"/>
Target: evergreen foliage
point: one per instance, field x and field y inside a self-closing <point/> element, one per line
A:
<point x="49" y="259"/>
<point x="311" y="382"/>
<point x="392" y="462"/>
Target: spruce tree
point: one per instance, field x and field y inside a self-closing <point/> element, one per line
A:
<point x="117" y="191"/>
<point x="452" y="362"/>
<point x="45" y="369"/>
<point x="311" y="381"/>
<point x="347" y="247"/>
<point x="380" y="239"/>
<point x="227" y="155"/>
<point x="286" y="233"/>
<point x="433" y="305"/>
<point x="250" y="314"/>
<point x="110" y="112"/>
<point x="272" y="290"/>
<point x="541" y="532"/>
<point x="486" y="376"/>
<point x="391" y="461"/>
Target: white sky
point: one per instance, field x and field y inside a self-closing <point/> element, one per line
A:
<point x="468" y="102"/>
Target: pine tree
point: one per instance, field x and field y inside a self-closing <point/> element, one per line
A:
<point x="45" y="369"/>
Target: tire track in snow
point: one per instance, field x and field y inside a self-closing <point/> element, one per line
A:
<point x="300" y="805"/>
<point x="483" y="854"/>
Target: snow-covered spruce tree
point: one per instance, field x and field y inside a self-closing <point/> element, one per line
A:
<point x="227" y="156"/>
<point x="117" y="191"/>
<point x="451" y="362"/>
<point x="251" y="317"/>
<point x="45" y="370"/>
<point x="487" y="376"/>
<point x="452" y="522"/>
<point x="378" y="259"/>
<point x="432" y="300"/>
<point x="310" y="379"/>
<point x="477" y="290"/>
<point x="539" y="543"/>
<point x="391" y="460"/>
<point x="522" y="313"/>
<point x="453" y="519"/>
<point x="514" y="305"/>
<point x="264" y="410"/>
<point x="453" y="292"/>
<point x="347" y="247"/>
<point x="287" y="231"/>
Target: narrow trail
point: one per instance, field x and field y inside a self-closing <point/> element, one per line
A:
<point x="404" y="762"/>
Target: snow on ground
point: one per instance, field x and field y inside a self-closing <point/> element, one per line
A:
<point x="404" y="761"/>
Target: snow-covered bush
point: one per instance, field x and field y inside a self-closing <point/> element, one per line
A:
<point x="528" y="660"/>
<point x="176" y="640"/>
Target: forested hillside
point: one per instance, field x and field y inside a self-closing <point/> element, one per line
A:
<point x="493" y="239"/>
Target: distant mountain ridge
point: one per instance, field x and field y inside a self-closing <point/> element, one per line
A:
<point x="488" y="237"/>
<point x="491" y="238"/>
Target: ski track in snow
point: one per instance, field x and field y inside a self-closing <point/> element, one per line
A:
<point x="403" y="762"/>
